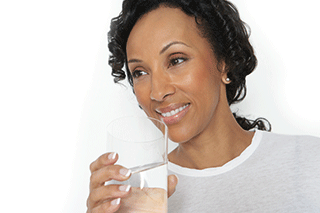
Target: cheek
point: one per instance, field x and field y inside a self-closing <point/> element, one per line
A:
<point x="143" y="97"/>
<point x="202" y="81"/>
<point x="205" y="89"/>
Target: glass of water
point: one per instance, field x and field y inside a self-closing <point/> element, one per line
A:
<point x="142" y="146"/>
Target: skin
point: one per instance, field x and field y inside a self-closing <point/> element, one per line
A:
<point x="173" y="66"/>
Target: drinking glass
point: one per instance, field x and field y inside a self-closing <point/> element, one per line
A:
<point x="141" y="144"/>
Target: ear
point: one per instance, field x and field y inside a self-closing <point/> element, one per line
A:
<point x="224" y="73"/>
<point x="225" y="79"/>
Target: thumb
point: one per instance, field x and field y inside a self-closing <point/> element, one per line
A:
<point x="172" y="183"/>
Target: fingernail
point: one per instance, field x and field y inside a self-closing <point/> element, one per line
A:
<point x="112" y="156"/>
<point x="124" y="188"/>
<point x="115" y="202"/>
<point x="125" y="172"/>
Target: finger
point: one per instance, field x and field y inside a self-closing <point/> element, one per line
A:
<point x="104" y="160"/>
<point x="107" y="173"/>
<point x="172" y="183"/>
<point x="107" y="207"/>
<point x="107" y="193"/>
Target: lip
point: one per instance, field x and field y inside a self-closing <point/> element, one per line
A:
<point x="170" y="108"/>
<point x="174" y="118"/>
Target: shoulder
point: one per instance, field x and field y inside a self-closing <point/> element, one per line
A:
<point x="302" y="145"/>
<point x="289" y="138"/>
<point x="282" y="138"/>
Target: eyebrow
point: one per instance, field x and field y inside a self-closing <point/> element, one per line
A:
<point x="161" y="52"/>
<point x="134" y="61"/>
<point x="170" y="44"/>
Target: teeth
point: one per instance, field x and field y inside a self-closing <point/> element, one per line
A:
<point x="173" y="112"/>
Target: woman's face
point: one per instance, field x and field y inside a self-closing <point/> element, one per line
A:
<point x="175" y="74"/>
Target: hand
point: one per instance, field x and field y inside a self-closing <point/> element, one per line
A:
<point x="148" y="200"/>
<point x="106" y="198"/>
<point x="172" y="183"/>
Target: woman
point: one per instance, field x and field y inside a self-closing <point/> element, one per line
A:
<point x="187" y="61"/>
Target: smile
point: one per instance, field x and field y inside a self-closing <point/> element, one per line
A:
<point x="173" y="112"/>
<point x="174" y="115"/>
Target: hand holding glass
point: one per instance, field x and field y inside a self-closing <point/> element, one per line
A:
<point x="141" y="144"/>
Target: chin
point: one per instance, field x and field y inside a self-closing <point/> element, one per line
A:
<point x="178" y="138"/>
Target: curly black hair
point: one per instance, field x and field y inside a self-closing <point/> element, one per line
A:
<point x="218" y="21"/>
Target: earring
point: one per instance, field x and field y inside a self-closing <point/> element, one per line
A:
<point x="228" y="79"/>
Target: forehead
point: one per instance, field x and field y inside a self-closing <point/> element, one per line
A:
<point x="160" y="27"/>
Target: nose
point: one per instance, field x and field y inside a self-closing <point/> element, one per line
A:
<point x="161" y="86"/>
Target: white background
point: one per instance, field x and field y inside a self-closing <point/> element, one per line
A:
<point x="57" y="95"/>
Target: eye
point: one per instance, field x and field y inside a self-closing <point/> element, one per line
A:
<point x="138" y="73"/>
<point x="176" y="61"/>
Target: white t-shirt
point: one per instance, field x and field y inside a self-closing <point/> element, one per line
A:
<point x="276" y="173"/>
